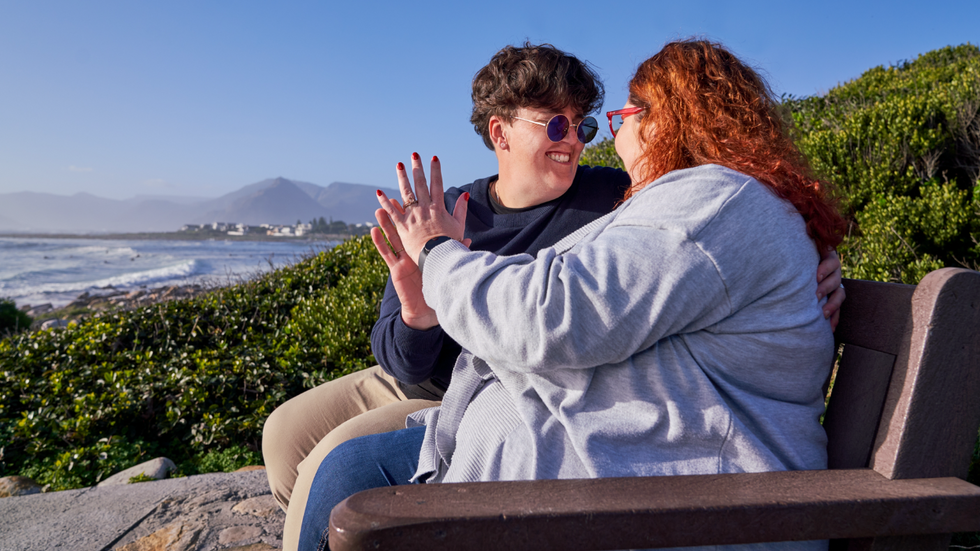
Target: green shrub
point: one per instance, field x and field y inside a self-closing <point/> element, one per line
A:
<point x="82" y="466"/>
<point x="12" y="320"/>
<point x="189" y="379"/>
<point x="902" y="143"/>
<point x="140" y="478"/>
<point x="602" y="153"/>
<point x="226" y="460"/>
<point x="328" y="330"/>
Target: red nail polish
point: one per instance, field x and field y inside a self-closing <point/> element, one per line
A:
<point x="435" y="159"/>
<point x="466" y="196"/>
<point x="401" y="166"/>
<point x="415" y="156"/>
<point x="379" y="191"/>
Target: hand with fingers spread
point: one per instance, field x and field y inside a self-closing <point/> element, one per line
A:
<point x="407" y="226"/>
<point x="422" y="215"/>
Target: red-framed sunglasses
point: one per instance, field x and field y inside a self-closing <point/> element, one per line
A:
<point x="616" y="117"/>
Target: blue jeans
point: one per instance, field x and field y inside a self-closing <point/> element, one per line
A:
<point x="375" y="461"/>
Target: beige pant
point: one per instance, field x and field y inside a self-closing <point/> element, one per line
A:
<point x="301" y="432"/>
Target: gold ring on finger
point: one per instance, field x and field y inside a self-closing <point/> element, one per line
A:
<point x="410" y="202"/>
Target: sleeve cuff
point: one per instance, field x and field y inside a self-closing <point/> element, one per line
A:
<point x="419" y="339"/>
<point x="436" y="257"/>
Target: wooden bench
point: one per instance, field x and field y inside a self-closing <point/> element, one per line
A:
<point x="902" y="421"/>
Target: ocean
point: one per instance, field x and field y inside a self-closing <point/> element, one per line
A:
<point x="39" y="271"/>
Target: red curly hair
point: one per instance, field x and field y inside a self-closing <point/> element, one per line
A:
<point x="704" y="106"/>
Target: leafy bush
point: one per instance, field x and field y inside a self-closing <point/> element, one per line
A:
<point x="902" y="143"/>
<point x="84" y="465"/>
<point x="602" y="153"/>
<point x="332" y="331"/>
<point x="140" y="478"/>
<point x="192" y="379"/>
<point x="12" y="320"/>
<point x="225" y="460"/>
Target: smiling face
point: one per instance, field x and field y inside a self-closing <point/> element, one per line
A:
<point x="534" y="169"/>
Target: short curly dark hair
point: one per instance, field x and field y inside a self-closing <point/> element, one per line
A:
<point x="539" y="76"/>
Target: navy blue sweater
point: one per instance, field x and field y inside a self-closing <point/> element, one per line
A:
<point x="414" y="356"/>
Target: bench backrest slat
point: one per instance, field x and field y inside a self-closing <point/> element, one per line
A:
<point x="906" y="398"/>
<point x="854" y="411"/>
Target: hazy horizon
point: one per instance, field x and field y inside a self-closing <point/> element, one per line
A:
<point x="276" y="201"/>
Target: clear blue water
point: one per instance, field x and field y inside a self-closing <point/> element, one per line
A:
<point x="39" y="270"/>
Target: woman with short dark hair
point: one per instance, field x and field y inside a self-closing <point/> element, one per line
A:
<point x="532" y="76"/>
<point x="531" y="106"/>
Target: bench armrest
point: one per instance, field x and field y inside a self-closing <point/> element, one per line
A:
<point x="669" y="511"/>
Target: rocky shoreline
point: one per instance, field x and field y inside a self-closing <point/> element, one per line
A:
<point x="227" y="511"/>
<point x="108" y="299"/>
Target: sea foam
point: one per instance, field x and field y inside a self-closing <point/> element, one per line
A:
<point x="39" y="270"/>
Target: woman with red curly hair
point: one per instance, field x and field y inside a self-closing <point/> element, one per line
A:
<point x="697" y="104"/>
<point x="680" y="334"/>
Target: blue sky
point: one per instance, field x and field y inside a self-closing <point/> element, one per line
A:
<point x="126" y="98"/>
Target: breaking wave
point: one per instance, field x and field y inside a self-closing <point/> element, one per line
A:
<point x="182" y="270"/>
<point x="56" y="271"/>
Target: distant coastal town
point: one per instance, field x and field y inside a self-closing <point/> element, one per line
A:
<point x="318" y="226"/>
<point x="273" y="209"/>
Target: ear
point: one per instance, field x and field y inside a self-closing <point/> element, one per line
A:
<point x="498" y="133"/>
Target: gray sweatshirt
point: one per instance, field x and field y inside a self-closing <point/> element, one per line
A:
<point x="681" y="334"/>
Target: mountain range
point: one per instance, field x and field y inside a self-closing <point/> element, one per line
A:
<point x="271" y="201"/>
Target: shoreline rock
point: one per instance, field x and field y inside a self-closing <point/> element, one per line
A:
<point x="14" y="486"/>
<point x="113" y="300"/>
<point x="195" y="513"/>
<point x="156" y="469"/>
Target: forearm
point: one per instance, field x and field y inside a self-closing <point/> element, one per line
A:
<point x="409" y="355"/>
<point x="404" y="353"/>
<point x="596" y="306"/>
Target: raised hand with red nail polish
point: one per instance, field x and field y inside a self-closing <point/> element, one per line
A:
<point x="422" y="215"/>
<point x="405" y="228"/>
